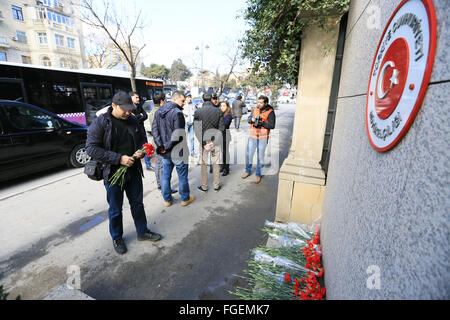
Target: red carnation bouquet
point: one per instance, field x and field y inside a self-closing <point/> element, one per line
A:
<point x="119" y="176"/>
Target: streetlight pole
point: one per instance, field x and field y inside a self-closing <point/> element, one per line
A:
<point x="201" y="61"/>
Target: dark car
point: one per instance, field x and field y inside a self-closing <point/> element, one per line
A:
<point x="33" y="139"/>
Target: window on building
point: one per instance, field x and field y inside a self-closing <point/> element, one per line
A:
<point x="26" y="59"/>
<point x="59" y="40"/>
<point x="21" y="37"/>
<point x="42" y="37"/>
<point x="59" y="18"/>
<point x="42" y="13"/>
<point x="63" y="63"/>
<point x="71" y="43"/>
<point x="45" y="61"/>
<point x="17" y="13"/>
<point x="47" y="3"/>
<point x="3" y="56"/>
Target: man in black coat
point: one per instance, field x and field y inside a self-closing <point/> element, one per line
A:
<point x="113" y="139"/>
<point x="208" y="127"/>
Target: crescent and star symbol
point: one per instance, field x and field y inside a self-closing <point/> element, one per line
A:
<point x="393" y="79"/>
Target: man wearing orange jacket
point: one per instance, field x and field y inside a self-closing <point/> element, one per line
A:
<point x="261" y="120"/>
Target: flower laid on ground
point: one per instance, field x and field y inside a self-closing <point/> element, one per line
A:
<point x="119" y="175"/>
<point x="312" y="289"/>
<point x="291" y="271"/>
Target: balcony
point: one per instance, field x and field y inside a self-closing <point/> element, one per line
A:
<point x="4" y="42"/>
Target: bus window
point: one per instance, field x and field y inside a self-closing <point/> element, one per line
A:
<point x="104" y="95"/>
<point x="11" y="90"/>
<point x="150" y="94"/>
<point x="64" y="93"/>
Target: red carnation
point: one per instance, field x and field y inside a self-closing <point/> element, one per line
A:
<point x="287" y="277"/>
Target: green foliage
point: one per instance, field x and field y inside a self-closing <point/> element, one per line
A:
<point x="4" y="295"/>
<point x="179" y="71"/>
<point x="273" y="41"/>
<point x="155" y="71"/>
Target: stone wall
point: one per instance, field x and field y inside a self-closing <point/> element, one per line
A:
<point x="389" y="210"/>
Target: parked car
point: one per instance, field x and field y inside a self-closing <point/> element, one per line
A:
<point x="33" y="139"/>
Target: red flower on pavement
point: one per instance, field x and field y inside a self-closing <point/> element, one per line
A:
<point x="287" y="277"/>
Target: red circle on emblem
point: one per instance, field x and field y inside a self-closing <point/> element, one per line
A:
<point x="432" y="27"/>
<point x="392" y="78"/>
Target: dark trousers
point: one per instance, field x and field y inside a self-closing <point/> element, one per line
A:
<point x="226" y="150"/>
<point x="114" y="195"/>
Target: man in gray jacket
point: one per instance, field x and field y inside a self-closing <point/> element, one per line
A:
<point x="236" y="110"/>
<point x="208" y="127"/>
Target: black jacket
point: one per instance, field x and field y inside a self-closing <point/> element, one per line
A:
<point x="169" y="119"/>
<point x="206" y="118"/>
<point x="140" y="113"/>
<point x="100" y="144"/>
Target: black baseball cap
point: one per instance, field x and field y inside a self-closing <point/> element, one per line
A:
<point x="123" y="100"/>
<point x="214" y="96"/>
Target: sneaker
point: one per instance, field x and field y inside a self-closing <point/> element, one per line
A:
<point x="168" y="203"/>
<point x="201" y="189"/>
<point x="152" y="236"/>
<point x="245" y="175"/>
<point x="119" y="246"/>
<point x="185" y="203"/>
<point x="218" y="188"/>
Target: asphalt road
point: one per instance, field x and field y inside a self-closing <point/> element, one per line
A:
<point x="56" y="221"/>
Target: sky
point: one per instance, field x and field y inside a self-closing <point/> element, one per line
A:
<point x="176" y="27"/>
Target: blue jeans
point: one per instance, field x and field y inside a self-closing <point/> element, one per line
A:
<point x="114" y="195"/>
<point x="148" y="162"/>
<point x="190" y="133"/>
<point x="183" y="182"/>
<point x="252" y="146"/>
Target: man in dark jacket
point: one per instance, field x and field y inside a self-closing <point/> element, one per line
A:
<point x="168" y="130"/>
<point x="236" y="110"/>
<point x="141" y="116"/>
<point x="208" y="127"/>
<point x="113" y="139"/>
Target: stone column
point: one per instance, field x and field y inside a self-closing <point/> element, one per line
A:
<point x="301" y="179"/>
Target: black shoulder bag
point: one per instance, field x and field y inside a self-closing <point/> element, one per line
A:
<point x="94" y="170"/>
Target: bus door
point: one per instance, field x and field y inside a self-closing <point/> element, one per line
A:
<point x="12" y="89"/>
<point x="95" y="97"/>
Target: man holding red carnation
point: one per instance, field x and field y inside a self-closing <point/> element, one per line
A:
<point x="115" y="138"/>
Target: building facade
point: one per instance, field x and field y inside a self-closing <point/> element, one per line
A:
<point x="42" y="32"/>
<point x="384" y="215"/>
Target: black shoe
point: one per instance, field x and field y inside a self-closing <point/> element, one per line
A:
<point x="201" y="189"/>
<point x="218" y="188"/>
<point x="119" y="246"/>
<point x="222" y="168"/>
<point x="152" y="236"/>
<point x="225" y="172"/>
<point x="174" y="191"/>
<point x="159" y="188"/>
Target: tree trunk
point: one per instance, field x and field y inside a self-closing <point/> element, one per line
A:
<point x="133" y="78"/>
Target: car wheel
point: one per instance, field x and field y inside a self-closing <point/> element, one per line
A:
<point x="78" y="156"/>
